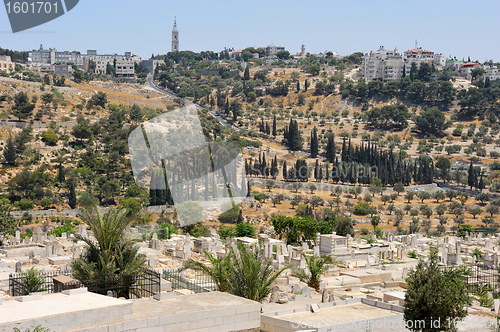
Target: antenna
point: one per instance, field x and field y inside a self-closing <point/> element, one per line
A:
<point x="416" y="43"/>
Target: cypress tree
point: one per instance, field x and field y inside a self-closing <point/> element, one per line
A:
<point x="72" y="194"/>
<point x="314" y="143"/>
<point x="344" y="150"/>
<point x="265" y="169"/>
<point x="274" y="168"/>
<point x="60" y="173"/>
<point x="206" y="184"/>
<point x="275" y="133"/>
<point x="298" y="86"/>
<point x="246" y="75"/>
<point x="330" y="149"/>
<point x="327" y="172"/>
<point x="470" y="176"/>
<point x="240" y="218"/>
<point x="152" y="190"/>
<point x="285" y="171"/>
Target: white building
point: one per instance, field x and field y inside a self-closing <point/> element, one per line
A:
<point x="388" y="65"/>
<point x="6" y="63"/>
<point x="384" y="64"/>
<point x="52" y="56"/>
<point x="493" y="73"/>
<point x="125" y="68"/>
<point x="272" y="50"/>
<point x="419" y="56"/>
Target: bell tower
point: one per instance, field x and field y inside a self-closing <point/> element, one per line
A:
<point x="175" y="37"/>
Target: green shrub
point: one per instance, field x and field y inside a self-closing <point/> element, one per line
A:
<point x="26" y="204"/>
<point x="457" y="132"/>
<point x="59" y="230"/>
<point x="33" y="280"/>
<point x="230" y="216"/>
<point x="50" y="137"/>
<point x="132" y="204"/>
<point x="412" y="254"/>
<point x="361" y="208"/>
<point x="225" y="232"/>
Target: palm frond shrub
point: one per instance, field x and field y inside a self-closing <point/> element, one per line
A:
<point x="112" y="260"/>
<point x="33" y="281"/>
<point x="218" y="270"/>
<point x="316" y="266"/>
<point x="252" y="274"/>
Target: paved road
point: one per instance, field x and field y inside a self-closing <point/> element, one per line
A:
<point x="223" y="121"/>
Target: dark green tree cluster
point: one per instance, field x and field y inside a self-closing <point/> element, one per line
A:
<point x="292" y="137"/>
<point x="431" y="121"/>
<point x="15" y="56"/>
<point x="474" y="177"/>
<point x="480" y="101"/>
<point x="157" y="195"/>
<point x="419" y="88"/>
<point x="279" y="90"/>
<point x="298" y="229"/>
<point x="22" y="108"/>
<point x="299" y="171"/>
<point x="389" y="116"/>
<point x="435" y="298"/>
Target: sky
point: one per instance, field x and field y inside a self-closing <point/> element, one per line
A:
<point x="457" y="28"/>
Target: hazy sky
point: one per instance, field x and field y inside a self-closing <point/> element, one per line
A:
<point x="458" y="28"/>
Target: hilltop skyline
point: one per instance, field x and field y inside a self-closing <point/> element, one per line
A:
<point x="344" y="27"/>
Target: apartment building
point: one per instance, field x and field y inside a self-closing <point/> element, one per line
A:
<point x="491" y="72"/>
<point x="52" y="56"/>
<point x="388" y="65"/>
<point x="384" y="64"/>
<point x="419" y="56"/>
<point x="272" y="50"/>
<point x="6" y="63"/>
<point x="125" y="68"/>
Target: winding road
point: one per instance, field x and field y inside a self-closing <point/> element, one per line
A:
<point x="210" y="110"/>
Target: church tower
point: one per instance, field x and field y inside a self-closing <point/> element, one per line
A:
<point x="175" y="37"/>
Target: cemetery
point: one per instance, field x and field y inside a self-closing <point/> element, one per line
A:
<point x="366" y="280"/>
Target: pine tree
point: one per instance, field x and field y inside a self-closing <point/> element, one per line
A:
<point x="10" y="152"/>
<point x="314" y="143"/>
<point x="275" y="132"/>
